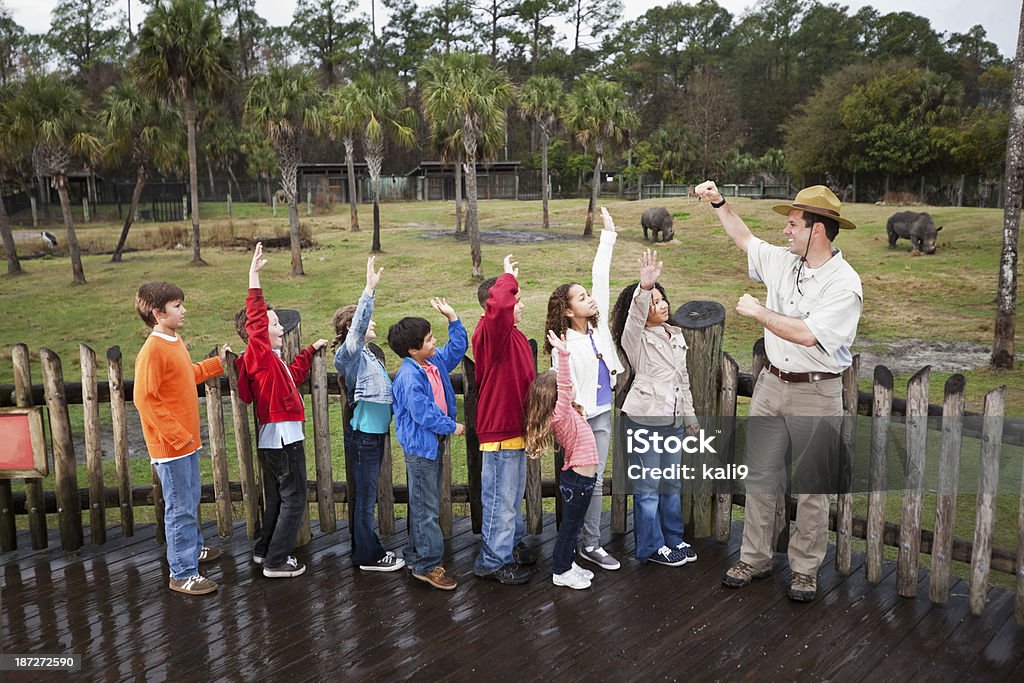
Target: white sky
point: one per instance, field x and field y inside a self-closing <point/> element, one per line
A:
<point x="1000" y="18"/>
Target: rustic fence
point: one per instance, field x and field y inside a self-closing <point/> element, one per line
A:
<point x="716" y="382"/>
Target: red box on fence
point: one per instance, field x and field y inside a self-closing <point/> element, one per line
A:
<point x="22" y="443"/>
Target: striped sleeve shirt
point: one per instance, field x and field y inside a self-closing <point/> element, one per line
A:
<point x="571" y="429"/>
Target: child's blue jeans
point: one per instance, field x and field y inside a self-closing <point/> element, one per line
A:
<point x="179" y="480"/>
<point x="425" y="548"/>
<point x="576" y="492"/>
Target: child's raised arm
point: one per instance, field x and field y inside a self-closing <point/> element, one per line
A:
<point x="256" y="266"/>
<point x="599" y="272"/>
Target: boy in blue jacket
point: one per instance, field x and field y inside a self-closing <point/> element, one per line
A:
<point x="424" y="405"/>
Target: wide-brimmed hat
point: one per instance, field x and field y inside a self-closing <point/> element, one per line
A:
<point x="817" y="199"/>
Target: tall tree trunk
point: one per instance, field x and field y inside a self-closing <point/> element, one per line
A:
<point x="193" y="177"/>
<point x="350" y="167"/>
<point x="238" y="188"/>
<point x="375" y="246"/>
<point x="140" y="182"/>
<point x="288" y="160"/>
<point x="69" y="225"/>
<point x="1006" y="293"/>
<point x="595" y="191"/>
<point x="544" y="173"/>
<point x="472" y="222"/>
<point x="13" y="264"/>
<point x="209" y="174"/>
<point x="293" y="238"/>
<point x="458" y="195"/>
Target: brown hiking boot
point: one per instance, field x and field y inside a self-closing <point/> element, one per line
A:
<point x="803" y="587"/>
<point x="193" y="585"/>
<point x="207" y="554"/>
<point x="436" y="578"/>
<point x="741" y="574"/>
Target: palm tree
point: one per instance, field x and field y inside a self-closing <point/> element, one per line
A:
<point x="144" y="129"/>
<point x="50" y="116"/>
<point x="466" y="92"/>
<point x="343" y="119"/>
<point x="542" y="100"/>
<point x="283" y="103"/>
<point x="378" y="100"/>
<point x="181" y="52"/>
<point x="597" y="112"/>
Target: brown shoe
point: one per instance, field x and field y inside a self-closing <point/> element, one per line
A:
<point x="193" y="585"/>
<point x="741" y="574"/>
<point x="803" y="587"/>
<point x="209" y="554"/>
<point x="436" y="578"/>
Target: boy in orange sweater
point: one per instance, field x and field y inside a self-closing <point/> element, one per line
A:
<point x="168" y="404"/>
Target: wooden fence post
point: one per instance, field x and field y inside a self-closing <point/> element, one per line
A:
<point x="158" y="505"/>
<point x="881" y="416"/>
<point x="386" y="491"/>
<point x="445" y="515"/>
<point x="703" y="325"/>
<point x="69" y="506"/>
<point x="722" y="505"/>
<point x="844" y="501"/>
<point x="291" y="345"/>
<point x="93" y="446"/>
<point x="474" y="458"/>
<point x="780" y="528"/>
<point x="910" y="528"/>
<point x="988" y="485"/>
<point x="949" y="473"/>
<point x="218" y="454"/>
<point x="243" y="451"/>
<point x="534" y="494"/>
<point x="34" y="502"/>
<point x="119" y="420"/>
<point x="322" y="443"/>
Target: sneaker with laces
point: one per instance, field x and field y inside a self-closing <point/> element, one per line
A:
<point x="290" y="568"/>
<point x="436" y="578"/>
<point x="670" y="557"/>
<point x="524" y="555"/>
<point x="510" y="574"/>
<point x="803" y="587"/>
<point x="598" y="556"/>
<point x="585" y="573"/>
<point x="257" y="558"/>
<point x="571" y="579"/>
<point x="389" y="563"/>
<point x="193" y="585"/>
<point x="741" y="574"/>
<point x="207" y="554"/>
<point x="687" y="551"/>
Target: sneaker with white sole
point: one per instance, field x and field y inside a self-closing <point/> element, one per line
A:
<point x="571" y="579"/>
<point x="389" y="563"/>
<point x="600" y="557"/>
<point x="193" y="585"/>
<point x="687" y="550"/>
<point x="669" y="557"/>
<point x="207" y="554"/>
<point x="585" y="573"/>
<point x="290" y="568"/>
<point x="257" y="558"/>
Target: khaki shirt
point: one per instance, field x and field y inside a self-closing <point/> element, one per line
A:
<point x="830" y="306"/>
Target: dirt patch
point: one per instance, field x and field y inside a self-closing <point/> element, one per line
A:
<point x="502" y="236"/>
<point x="907" y="356"/>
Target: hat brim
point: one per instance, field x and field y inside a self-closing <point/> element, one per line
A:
<point x="784" y="209"/>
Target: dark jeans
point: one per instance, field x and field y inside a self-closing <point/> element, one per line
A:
<point x="284" y="497"/>
<point x="425" y="548"/>
<point x="576" y="492"/>
<point x="365" y="452"/>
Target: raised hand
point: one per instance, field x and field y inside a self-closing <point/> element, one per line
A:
<point x="606" y="218"/>
<point x="748" y="306"/>
<point x="319" y="344"/>
<point x="442" y="306"/>
<point x="257" y="259"/>
<point x="372" y="277"/>
<point x="708" y="190"/>
<point x="650" y="269"/>
<point x="511" y="267"/>
<point x="557" y="343"/>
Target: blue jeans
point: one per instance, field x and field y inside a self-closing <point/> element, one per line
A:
<point x="657" y="509"/>
<point x="576" y="491"/>
<point x="365" y="452"/>
<point x="284" y="497"/>
<point x="425" y="548"/>
<point x="179" y="480"/>
<point x="502" y="486"/>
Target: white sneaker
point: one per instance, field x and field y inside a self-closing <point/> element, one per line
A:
<point x="598" y="556"/>
<point x="571" y="579"/>
<point x="585" y="573"/>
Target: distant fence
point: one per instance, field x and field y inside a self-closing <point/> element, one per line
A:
<point x="761" y="191"/>
<point x="716" y="383"/>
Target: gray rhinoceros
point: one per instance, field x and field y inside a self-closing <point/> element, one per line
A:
<point x="919" y="228"/>
<point x="657" y="220"/>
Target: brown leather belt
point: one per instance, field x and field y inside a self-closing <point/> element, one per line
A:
<point x="800" y="376"/>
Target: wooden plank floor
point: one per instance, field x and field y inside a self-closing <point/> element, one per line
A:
<point x="112" y="606"/>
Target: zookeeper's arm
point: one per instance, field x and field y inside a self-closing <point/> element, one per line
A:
<point x="791" y="329"/>
<point x="734" y="226"/>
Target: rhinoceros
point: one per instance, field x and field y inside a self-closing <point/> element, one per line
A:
<point x="919" y="228"/>
<point x="657" y="220"/>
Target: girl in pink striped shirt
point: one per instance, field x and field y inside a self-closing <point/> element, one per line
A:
<point x="550" y="415"/>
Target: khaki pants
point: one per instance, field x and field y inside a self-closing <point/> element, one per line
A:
<point x="788" y="415"/>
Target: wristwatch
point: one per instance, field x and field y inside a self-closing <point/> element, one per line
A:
<point x="718" y="205"/>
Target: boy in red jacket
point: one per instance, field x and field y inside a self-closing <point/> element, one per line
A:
<point x="264" y="378"/>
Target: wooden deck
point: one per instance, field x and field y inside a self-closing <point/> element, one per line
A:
<point x="111" y="605"/>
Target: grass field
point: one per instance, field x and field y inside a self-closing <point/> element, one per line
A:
<point x="948" y="297"/>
